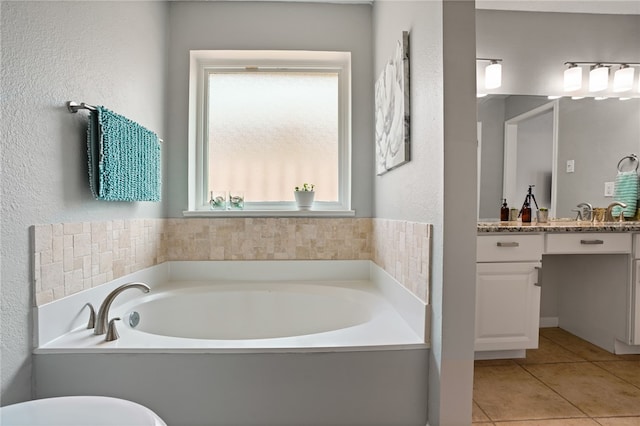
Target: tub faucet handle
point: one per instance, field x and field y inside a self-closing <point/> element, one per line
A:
<point x="92" y="316"/>
<point x="112" y="331"/>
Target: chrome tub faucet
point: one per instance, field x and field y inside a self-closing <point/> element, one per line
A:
<point x="102" y="319"/>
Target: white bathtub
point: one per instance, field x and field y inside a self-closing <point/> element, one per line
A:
<point x="249" y="311"/>
<point x="300" y="343"/>
<point x="282" y="311"/>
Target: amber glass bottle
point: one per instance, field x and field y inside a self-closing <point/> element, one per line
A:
<point x="504" y="211"/>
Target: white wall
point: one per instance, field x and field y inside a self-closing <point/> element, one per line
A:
<point x="491" y="113"/>
<point x="276" y="26"/>
<point x="438" y="185"/>
<point x="105" y="53"/>
<point x="596" y="135"/>
<point x="534" y="65"/>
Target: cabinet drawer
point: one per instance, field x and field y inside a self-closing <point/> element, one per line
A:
<point x="509" y="248"/>
<point x="636" y="246"/>
<point x="579" y="243"/>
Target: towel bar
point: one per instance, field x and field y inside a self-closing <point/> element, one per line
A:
<point x="73" y="107"/>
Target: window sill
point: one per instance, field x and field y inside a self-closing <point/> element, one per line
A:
<point x="269" y="213"/>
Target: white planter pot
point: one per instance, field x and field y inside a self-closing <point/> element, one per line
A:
<point x="304" y="199"/>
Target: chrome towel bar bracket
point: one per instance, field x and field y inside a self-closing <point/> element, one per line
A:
<point x="73" y="107"/>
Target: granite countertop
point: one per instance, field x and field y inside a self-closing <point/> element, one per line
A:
<point x="559" y="226"/>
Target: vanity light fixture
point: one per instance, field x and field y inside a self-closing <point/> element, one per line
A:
<point x="623" y="78"/>
<point x="598" y="78"/>
<point x="492" y="73"/>
<point x="572" y="78"/>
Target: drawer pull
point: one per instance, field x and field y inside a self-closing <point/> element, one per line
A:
<point x="509" y="244"/>
<point x="591" y="242"/>
<point x="538" y="269"/>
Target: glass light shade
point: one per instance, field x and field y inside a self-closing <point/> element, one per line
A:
<point x="623" y="79"/>
<point x="573" y="78"/>
<point x="493" y="76"/>
<point x="598" y="78"/>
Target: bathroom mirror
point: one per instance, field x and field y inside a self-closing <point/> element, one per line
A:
<point x="567" y="148"/>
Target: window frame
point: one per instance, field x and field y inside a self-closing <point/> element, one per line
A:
<point x="203" y="62"/>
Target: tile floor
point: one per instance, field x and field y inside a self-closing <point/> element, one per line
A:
<point x="565" y="382"/>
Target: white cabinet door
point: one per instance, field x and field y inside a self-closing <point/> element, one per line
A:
<point x="507" y="306"/>
<point x="635" y="304"/>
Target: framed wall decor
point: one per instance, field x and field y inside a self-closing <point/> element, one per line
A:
<point x="392" y="119"/>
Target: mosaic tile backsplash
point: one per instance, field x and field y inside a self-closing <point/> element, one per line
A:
<point x="72" y="257"/>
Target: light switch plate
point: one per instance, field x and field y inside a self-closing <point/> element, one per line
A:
<point x="609" y="189"/>
<point x="571" y="166"/>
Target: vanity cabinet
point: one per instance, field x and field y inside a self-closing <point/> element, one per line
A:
<point x="507" y="292"/>
<point x="635" y="292"/>
<point x="593" y="277"/>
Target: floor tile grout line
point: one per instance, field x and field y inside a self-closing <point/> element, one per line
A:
<point x="544" y="419"/>
<point x="482" y="409"/>
<point x="614" y="374"/>
<point x="566" y="348"/>
<point x="556" y="392"/>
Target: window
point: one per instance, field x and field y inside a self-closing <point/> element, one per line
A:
<point x="264" y="122"/>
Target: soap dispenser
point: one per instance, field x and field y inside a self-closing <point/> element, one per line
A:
<point x="504" y="211"/>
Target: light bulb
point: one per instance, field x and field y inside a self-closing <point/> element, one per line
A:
<point x="598" y="78"/>
<point x="493" y="75"/>
<point x="623" y="79"/>
<point x="572" y="78"/>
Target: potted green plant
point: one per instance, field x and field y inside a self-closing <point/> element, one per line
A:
<point x="304" y="196"/>
<point x="543" y="215"/>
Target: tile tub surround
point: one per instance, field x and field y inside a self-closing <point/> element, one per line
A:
<point x="403" y="250"/>
<point x="72" y="257"/>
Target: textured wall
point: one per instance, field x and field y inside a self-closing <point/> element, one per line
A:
<point x="438" y="186"/>
<point x="97" y="52"/>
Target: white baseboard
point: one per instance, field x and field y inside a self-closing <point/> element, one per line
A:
<point x="515" y="353"/>
<point x="546" y="322"/>
<point x="621" y="348"/>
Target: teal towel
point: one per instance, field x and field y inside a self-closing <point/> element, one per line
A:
<point x="124" y="158"/>
<point x="626" y="191"/>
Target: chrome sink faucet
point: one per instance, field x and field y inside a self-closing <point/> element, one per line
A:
<point x="102" y="319"/>
<point x="608" y="216"/>
<point x="585" y="212"/>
